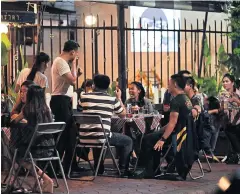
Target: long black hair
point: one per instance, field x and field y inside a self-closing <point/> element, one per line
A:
<point x="27" y="83"/>
<point x="40" y="58"/>
<point x="141" y="94"/>
<point x="36" y="109"/>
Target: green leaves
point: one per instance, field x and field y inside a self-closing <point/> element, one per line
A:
<point x="5" y="47"/>
<point x="232" y="61"/>
<point x="207" y="56"/>
<point x="208" y="85"/>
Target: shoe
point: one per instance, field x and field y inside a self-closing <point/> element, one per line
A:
<point x="133" y="161"/>
<point x="224" y="159"/>
<point x="170" y="168"/>
<point x="78" y="169"/>
<point x="170" y="177"/>
<point x="138" y="174"/>
<point x="232" y="158"/>
<point x="215" y="159"/>
<point x="100" y="169"/>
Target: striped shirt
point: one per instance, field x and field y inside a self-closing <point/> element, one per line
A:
<point x="104" y="105"/>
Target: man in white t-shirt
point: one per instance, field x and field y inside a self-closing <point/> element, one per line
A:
<point x="62" y="78"/>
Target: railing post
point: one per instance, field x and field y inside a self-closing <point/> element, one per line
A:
<point x="202" y="49"/>
<point x="121" y="51"/>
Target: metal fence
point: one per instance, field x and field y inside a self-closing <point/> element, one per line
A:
<point x="153" y="51"/>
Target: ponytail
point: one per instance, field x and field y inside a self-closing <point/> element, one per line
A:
<point x="42" y="57"/>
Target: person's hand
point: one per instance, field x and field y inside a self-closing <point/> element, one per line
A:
<point x="74" y="62"/>
<point x="159" y="145"/>
<point x="14" y="116"/>
<point x="234" y="99"/>
<point x="135" y="108"/>
<point x="194" y="113"/>
<point x="23" y="121"/>
<point x="166" y="108"/>
<point x="118" y="93"/>
<point x="79" y="72"/>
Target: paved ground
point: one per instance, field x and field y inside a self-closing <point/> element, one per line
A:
<point x="109" y="185"/>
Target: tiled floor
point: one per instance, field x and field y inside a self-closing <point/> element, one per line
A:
<point x="105" y="185"/>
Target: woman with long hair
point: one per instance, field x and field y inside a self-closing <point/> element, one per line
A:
<point x="35" y="111"/>
<point x="137" y="98"/>
<point x="230" y="99"/>
<point x="23" y="97"/>
<point x="35" y="73"/>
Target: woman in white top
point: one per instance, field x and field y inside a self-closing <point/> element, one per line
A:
<point x="35" y="73"/>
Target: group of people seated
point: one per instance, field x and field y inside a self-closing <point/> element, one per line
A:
<point x="181" y="100"/>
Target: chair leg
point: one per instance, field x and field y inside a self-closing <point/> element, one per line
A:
<point x="114" y="160"/>
<point x="35" y="173"/>
<point x="10" y="164"/>
<point x="140" y="147"/>
<point x="209" y="166"/>
<point x="25" y="179"/>
<point x="104" y="154"/>
<point x="55" y="176"/>
<point x="201" y="169"/>
<point x="70" y="167"/>
<point x="62" y="171"/>
<point x="99" y="160"/>
<point x="89" y="163"/>
<point x="162" y="159"/>
<point x="12" y="169"/>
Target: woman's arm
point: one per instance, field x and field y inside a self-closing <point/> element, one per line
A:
<point x="18" y="117"/>
<point x="17" y="88"/>
<point x="16" y="105"/>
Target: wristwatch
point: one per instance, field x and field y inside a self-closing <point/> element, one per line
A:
<point x="163" y="139"/>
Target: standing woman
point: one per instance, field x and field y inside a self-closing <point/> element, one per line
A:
<point x="231" y="98"/>
<point x="35" y="73"/>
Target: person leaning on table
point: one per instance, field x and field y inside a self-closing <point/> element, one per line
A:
<point x="137" y="98"/>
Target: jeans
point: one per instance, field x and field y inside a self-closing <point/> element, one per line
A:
<point x="121" y="142"/>
<point x="61" y="107"/>
<point x="210" y="136"/>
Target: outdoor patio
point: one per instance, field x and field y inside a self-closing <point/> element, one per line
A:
<point x="109" y="185"/>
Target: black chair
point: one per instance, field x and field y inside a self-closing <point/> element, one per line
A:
<point x="188" y="151"/>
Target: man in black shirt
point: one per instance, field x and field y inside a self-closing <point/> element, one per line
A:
<point x="168" y="97"/>
<point x="180" y="107"/>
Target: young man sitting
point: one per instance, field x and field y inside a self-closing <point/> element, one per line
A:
<point x="180" y="107"/>
<point x="99" y="102"/>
